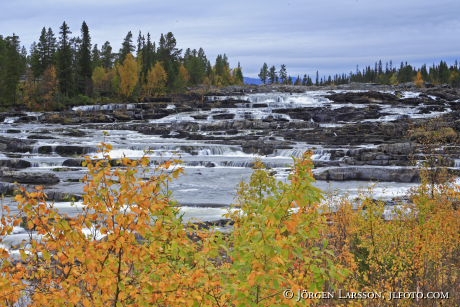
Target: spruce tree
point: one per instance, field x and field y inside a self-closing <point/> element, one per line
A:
<point x="195" y="62"/>
<point x="126" y="47"/>
<point x="107" y="57"/>
<point x="169" y="55"/>
<point x="283" y="74"/>
<point x="95" y="57"/>
<point x="84" y="62"/>
<point x="12" y="66"/>
<point x="272" y="77"/>
<point x="263" y="74"/>
<point x="65" y="61"/>
<point x="147" y="54"/>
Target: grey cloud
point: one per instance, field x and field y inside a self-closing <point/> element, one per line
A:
<point x="332" y="36"/>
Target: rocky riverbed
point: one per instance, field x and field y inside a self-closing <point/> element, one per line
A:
<point x="357" y="133"/>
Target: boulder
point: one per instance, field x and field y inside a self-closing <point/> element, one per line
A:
<point x="15" y="145"/>
<point x="73" y="162"/>
<point x="73" y="150"/>
<point x="7" y="188"/>
<point x="15" y="163"/>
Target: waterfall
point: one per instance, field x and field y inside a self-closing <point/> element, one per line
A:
<point x="10" y="120"/>
<point x="457" y="163"/>
<point x="295" y="152"/>
<point x="321" y="155"/>
<point x="104" y="107"/>
<point x="35" y="149"/>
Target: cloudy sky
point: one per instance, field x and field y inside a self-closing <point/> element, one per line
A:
<point x="332" y="36"/>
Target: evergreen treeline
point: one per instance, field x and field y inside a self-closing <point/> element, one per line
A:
<point x="383" y="74"/>
<point x="66" y="69"/>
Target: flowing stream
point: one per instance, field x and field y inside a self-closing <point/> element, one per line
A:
<point x="213" y="169"/>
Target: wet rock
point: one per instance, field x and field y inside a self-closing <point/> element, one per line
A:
<point x="15" y="145"/>
<point x="74" y="132"/>
<point x="448" y="94"/>
<point x="73" y="150"/>
<point x="15" y="163"/>
<point x="41" y="137"/>
<point x="7" y="188"/>
<point x="73" y="162"/>
<point x="29" y="177"/>
<point x="397" y="148"/>
<point x="62" y="196"/>
<point x="398" y="174"/>
<point x="223" y="116"/>
<point x="363" y="97"/>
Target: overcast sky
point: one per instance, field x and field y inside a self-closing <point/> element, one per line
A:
<point x="332" y="36"/>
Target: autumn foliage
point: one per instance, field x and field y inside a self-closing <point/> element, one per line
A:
<point x="128" y="246"/>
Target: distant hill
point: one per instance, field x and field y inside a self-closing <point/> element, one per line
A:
<point x="255" y="81"/>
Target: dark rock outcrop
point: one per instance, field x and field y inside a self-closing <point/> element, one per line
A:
<point x="29" y="177"/>
<point x="363" y="97"/>
<point x="15" y="163"/>
<point x="369" y="174"/>
<point x="15" y="144"/>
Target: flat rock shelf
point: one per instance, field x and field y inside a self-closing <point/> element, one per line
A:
<point x="357" y="137"/>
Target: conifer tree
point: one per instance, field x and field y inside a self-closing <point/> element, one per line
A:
<point x="283" y="74"/>
<point x="84" y="62"/>
<point x="169" y="55"/>
<point x="147" y="56"/>
<point x="126" y="47"/>
<point x="272" y="77"/>
<point x="95" y="57"/>
<point x="263" y="74"/>
<point x="65" y="61"/>
<point x="42" y="54"/>
<point x="12" y="65"/>
<point x="107" y="57"/>
<point x="238" y="78"/>
<point x="196" y="63"/>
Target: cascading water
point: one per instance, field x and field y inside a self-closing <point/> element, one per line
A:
<point x="215" y="159"/>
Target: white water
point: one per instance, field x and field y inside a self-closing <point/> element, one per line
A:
<point x="212" y="171"/>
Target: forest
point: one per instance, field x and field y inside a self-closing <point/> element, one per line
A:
<point x="287" y="243"/>
<point x="61" y="70"/>
<point x="441" y="74"/>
